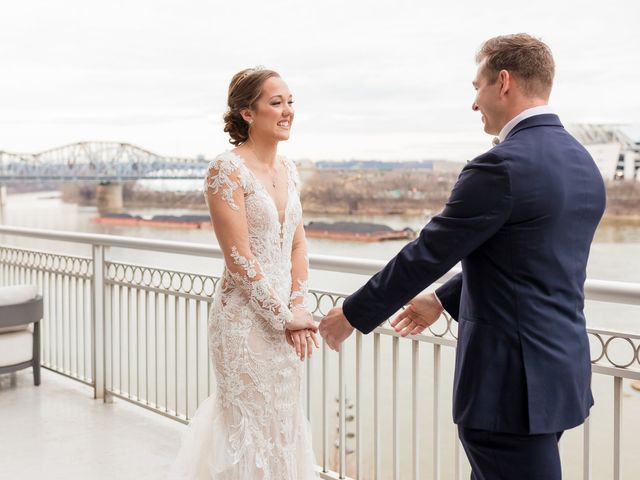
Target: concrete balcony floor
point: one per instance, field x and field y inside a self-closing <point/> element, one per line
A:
<point x="57" y="431"/>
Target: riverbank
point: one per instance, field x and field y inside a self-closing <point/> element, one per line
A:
<point x="353" y="192"/>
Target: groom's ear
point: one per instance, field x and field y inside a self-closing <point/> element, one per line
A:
<point x="504" y="78"/>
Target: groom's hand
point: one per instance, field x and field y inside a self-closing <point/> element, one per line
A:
<point x="335" y="328"/>
<point x="420" y="313"/>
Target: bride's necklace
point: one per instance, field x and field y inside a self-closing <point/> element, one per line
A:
<point x="273" y="173"/>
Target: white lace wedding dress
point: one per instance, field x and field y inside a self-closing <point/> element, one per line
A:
<point x="254" y="427"/>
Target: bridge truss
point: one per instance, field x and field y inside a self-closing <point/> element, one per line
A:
<point x="97" y="161"/>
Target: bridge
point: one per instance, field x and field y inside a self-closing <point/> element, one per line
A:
<point x="108" y="163"/>
<point x="97" y="161"/>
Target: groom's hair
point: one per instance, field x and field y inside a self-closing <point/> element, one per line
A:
<point x="526" y="57"/>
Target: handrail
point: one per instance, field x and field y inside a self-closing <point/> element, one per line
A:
<point x="595" y="290"/>
<point x="167" y="246"/>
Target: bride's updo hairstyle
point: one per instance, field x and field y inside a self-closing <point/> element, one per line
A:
<point x="244" y="90"/>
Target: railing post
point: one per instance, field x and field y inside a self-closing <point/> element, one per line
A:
<point x="617" y="426"/>
<point x="342" y="413"/>
<point x="436" y="412"/>
<point x="325" y="413"/>
<point x="97" y="322"/>
<point x="586" y="447"/>
<point x="359" y="456"/>
<point x="395" y="407"/>
<point x="415" y="416"/>
<point x="377" y="440"/>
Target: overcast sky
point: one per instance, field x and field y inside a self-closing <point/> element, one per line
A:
<point x="384" y="80"/>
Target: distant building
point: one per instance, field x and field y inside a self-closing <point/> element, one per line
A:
<point x="614" y="151"/>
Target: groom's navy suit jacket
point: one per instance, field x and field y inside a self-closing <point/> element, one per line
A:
<point x="521" y="217"/>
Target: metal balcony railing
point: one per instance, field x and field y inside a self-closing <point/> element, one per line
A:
<point x="138" y="333"/>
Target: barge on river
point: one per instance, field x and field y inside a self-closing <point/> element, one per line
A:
<point x="359" y="231"/>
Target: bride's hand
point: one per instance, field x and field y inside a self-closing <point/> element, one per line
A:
<point x="301" y="332"/>
<point x="302" y="320"/>
<point x="302" y="341"/>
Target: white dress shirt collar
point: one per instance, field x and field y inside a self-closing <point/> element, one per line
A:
<point x="529" y="112"/>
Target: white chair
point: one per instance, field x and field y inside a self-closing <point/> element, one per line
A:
<point x="20" y="307"/>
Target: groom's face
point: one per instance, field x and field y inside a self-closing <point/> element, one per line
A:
<point x="487" y="100"/>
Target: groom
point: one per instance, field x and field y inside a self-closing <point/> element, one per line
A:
<point x="521" y="218"/>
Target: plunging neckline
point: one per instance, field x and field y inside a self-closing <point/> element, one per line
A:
<point x="265" y="191"/>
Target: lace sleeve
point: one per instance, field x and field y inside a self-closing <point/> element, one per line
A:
<point x="299" y="257"/>
<point x="299" y="270"/>
<point x="225" y="187"/>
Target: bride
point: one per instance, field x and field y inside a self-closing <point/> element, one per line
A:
<point x="254" y="428"/>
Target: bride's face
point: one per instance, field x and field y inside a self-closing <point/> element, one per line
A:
<point x="273" y="112"/>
